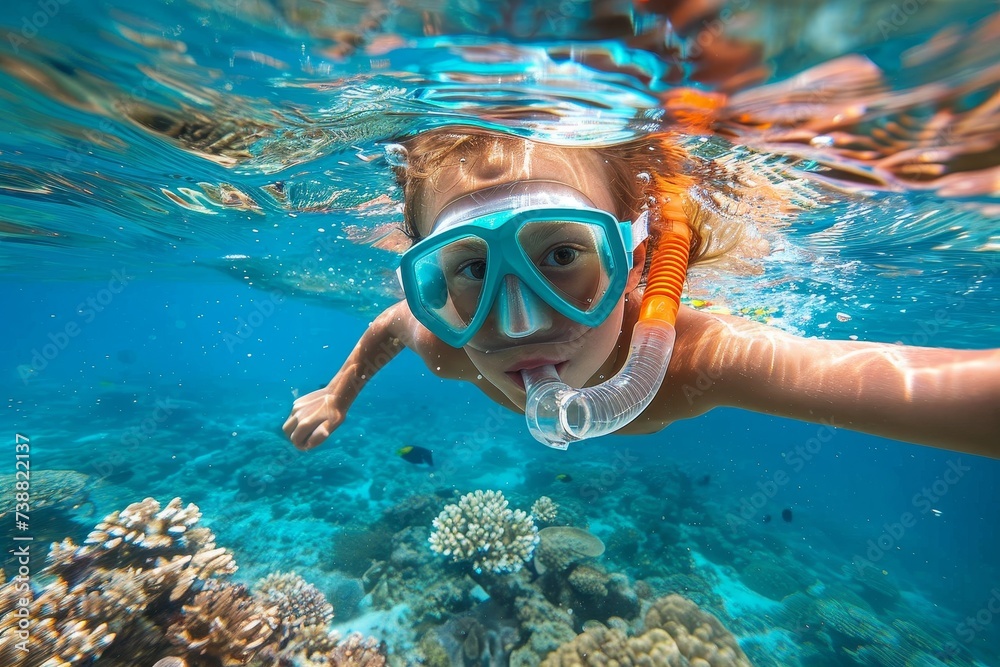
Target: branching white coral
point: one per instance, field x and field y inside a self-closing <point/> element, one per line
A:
<point x="545" y="510"/>
<point x="481" y="528"/>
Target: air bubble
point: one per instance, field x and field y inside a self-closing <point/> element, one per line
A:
<point x="395" y="155"/>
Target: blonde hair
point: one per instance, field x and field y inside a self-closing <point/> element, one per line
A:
<point x="630" y="167"/>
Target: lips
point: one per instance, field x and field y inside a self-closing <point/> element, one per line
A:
<point x="514" y="373"/>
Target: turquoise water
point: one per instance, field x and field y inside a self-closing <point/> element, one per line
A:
<point x="183" y="193"/>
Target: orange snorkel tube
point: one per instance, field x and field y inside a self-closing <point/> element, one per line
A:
<point x="668" y="269"/>
<point x="558" y="414"/>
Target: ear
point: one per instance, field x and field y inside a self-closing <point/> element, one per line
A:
<point x="638" y="263"/>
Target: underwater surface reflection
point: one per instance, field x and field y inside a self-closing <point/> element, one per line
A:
<point x="198" y="218"/>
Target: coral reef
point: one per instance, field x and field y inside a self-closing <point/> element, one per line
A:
<point x="299" y="604"/>
<point x="875" y="587"/>
<point x="49" y="488"/>
<point x="676" y="632"/>
<point x="415" y="510"/>
<point x="698" y="634"/>
<point x="149" y="586"/>
<point x="850" y="623"/>
<point x="353" y="551"/>
<point x="589" y="581"/>
<point x="481" y="528"/>
<point x="545" y="510"/>
<point x="225" y="622"/>
<point x="481" y="638"/>
<point x="769" y="578"/>
<point x="561" y="546"/>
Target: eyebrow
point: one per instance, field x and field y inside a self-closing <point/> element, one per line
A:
<point x="469" y="244"/>
<point x="543" y="232"/>
<point x="540" y="232"/>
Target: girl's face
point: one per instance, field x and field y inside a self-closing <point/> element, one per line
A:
<point x="582" y="355"/>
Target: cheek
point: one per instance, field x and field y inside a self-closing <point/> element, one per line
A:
<point x="599" y="346"/>
<point x="484" y="364"/>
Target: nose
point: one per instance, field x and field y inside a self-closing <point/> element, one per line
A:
<point x="520" y="311"/>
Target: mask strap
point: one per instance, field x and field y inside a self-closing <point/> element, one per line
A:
<point x="640" y="230"/>
<point x="634" y="233"/>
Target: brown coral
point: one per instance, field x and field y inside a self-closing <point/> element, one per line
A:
<point x="148" y="587"/>
<point x="141" y="558"/>
<point x="224" y="621"/>
<point x="589" y="581"/>
<point x="698" y="633"/>
<point x="677" y="633"/>
<point x="561" y="546"/>
<point x="49" y="489"/>
<point x="357" y="651"/>
<point x="299" y="603"/>
<point x="600" y="645"/>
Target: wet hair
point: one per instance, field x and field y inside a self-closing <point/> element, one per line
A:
<point x="629" y="166"/>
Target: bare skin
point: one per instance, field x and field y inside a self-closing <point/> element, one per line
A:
<point x="937" y="397"/>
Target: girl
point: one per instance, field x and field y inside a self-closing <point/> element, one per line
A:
<point x="563" y="311"/>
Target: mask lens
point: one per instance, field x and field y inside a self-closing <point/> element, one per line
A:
<point x="572" y="259"/>
<point x="451" y="280"/>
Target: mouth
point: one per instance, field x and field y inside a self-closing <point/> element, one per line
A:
<point x="514" y="373"/>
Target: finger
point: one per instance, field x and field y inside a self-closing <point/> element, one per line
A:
<point x="289" y="426"/>
<point x="303" y="429"/>
<point x="321" y="433"/>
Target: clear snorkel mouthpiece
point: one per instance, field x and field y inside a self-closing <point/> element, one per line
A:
<point x="558" y="414"/>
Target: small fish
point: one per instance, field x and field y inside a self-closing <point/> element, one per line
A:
<point x="564" y="478"/>
<point x="766" y="518"/>
<point x="415" y="454"/>
<point x="786" y="514"/>
<point x="704" y="480"/>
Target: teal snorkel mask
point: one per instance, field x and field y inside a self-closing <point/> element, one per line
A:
<point x="528" y="246"/>
<point x="526" y="249"/>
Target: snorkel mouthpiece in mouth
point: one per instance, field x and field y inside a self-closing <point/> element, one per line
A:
<point x="558" y="414"/>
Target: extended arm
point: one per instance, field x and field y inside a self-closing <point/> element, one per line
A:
<point x="316" y="415"/>
<point x="939" y="397"/>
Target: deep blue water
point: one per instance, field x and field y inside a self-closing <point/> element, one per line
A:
<point x="154" y="344"/>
